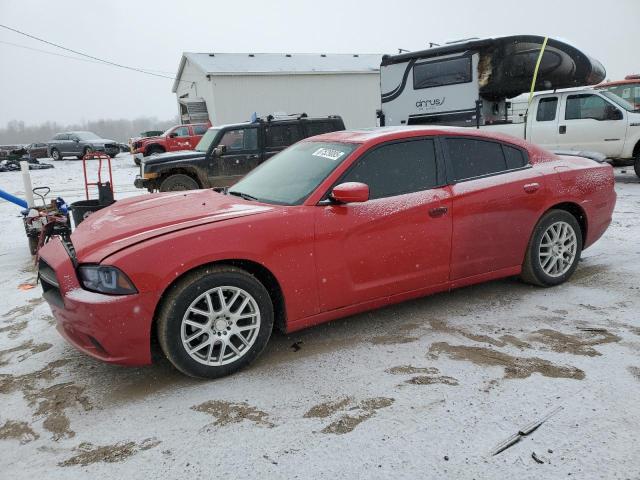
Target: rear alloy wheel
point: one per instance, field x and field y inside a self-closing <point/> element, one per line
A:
<point x="178" y="182"/>
<point x="55" y="154"/>
<point x="554" y="249"/>
<point x="215" y="322"/>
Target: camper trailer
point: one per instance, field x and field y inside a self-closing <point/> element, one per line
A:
<point x="469" y="83"/>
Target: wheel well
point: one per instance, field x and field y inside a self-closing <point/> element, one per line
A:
<point x="176" y="171"/>
<point x="577" y="211"/>
<point x="155" y="145"/>
<point x="259" y="271"/>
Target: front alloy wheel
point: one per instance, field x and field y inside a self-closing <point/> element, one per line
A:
<point x="215" y="321"/>
<point x="220" y="326"/>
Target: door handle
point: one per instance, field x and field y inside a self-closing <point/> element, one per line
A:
<point x="437" y="211"/>
<point x="562" y="129"/>
<point x="252" y="157"/>
<point x="531" y="187"/>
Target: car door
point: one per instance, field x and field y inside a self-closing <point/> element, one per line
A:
<point x="497" y="197"/>
<point x="178" y="139"/>
<point x="64" y="144"/>
<point x="74" y="145"/>
<point x="241" y="156"/>
<point x="399" y="240"/>
<point x="544" y="124"/>
<point x="279" y="135"/>
<point x="592" y="123"/>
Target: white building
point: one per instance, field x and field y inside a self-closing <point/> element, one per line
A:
<point x="230" y="87"/>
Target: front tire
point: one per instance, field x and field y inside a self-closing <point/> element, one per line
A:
<point x="636" y="166"/>
<point x="178" y="182"/>
<point x="215" y="321"/>
<point x="554" y="249"/>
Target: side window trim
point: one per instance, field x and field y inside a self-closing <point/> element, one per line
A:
<point x="441" y="180"/>
<point x="451" y="180"/>
<point x="582" y="95"/>
<point x="555" y="111"/>
<point x="243" y="151"/>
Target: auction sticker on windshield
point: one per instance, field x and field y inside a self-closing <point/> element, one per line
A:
<point x="329" y="153"/>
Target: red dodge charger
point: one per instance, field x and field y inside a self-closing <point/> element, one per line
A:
<point x="334" y="225"/>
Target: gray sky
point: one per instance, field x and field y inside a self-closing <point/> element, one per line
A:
<point x="36" y="87"/>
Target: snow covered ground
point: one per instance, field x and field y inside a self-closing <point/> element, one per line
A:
<point x="425" y="389"/>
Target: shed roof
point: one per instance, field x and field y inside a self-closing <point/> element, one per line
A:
<point x="280" y="63"/>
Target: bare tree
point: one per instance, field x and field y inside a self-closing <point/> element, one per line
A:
<point x="16" y="132"/>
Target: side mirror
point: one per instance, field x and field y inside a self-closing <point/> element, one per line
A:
<point x="613" y="113"/>
<point x="350" y="192"/>
<point x="220" y="150"/>
<point x="173" y="135"/>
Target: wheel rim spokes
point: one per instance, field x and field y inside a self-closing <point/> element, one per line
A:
<point x="558" y="249"/>
<point x="220" y="326"/>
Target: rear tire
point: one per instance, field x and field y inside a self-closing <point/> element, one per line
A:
<point x="215" y="321"/>
<point x="178" y="182"/>
<point x="55" y="154"/>
<point x="554" y="250"/>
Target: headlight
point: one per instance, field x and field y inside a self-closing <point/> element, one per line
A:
<point x="105" y="279"/>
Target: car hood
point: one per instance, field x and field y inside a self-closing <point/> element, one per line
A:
<point x="134" y="220"/>
<point x="172" y="156"/>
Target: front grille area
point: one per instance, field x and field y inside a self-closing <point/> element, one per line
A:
<point x="49" y="282"/>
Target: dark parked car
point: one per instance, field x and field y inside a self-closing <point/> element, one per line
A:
<point x="243" y="146"/>
<point x="78" y="144"/>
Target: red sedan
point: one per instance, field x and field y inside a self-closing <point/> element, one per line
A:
<point x="334" y="225"/>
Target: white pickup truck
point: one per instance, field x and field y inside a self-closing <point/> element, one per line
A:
<point x="581" y="119"/>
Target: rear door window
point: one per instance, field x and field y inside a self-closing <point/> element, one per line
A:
<point x="283" y="135"/>
<point x="547" y="109"/>
<point x="396" y="168"/>
<point x="471" y="158"/>
<point x="199" y="129"/>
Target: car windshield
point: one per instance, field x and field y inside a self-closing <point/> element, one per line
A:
<point x="620" y="101"/>
<point x="86" y="136"/>
<point x="207" y="138"/>
<point x="289" y="177"/>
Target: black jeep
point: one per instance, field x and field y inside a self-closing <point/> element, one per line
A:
<point x="228" y="152"/>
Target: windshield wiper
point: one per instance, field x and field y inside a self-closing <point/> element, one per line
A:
<point x="244" y="196"/>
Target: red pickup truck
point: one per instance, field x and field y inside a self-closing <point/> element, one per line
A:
<point x="179" y="137"/>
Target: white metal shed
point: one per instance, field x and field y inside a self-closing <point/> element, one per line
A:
<point x="230" y="87"/>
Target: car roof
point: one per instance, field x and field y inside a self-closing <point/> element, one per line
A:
<point x="277" y="121"/>
<point x="375" y="134"/>
<point x="617" y="82"/>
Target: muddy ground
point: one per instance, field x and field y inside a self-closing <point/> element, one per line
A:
<point x="424" y="389"/>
